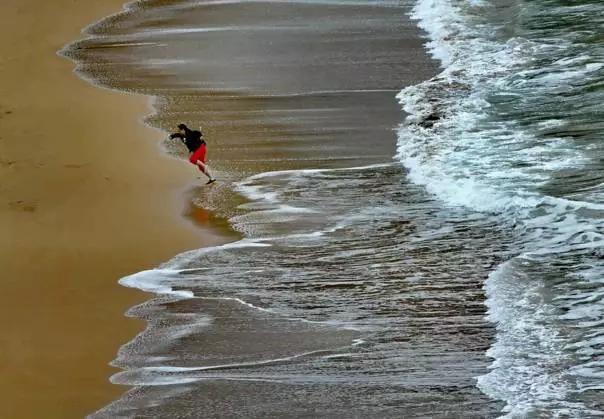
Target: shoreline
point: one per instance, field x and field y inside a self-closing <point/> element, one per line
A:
<point x="305" y="98"/>
<point x="87" y="198"/>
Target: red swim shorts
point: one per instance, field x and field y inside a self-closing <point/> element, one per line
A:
<point x="199" y="154"/>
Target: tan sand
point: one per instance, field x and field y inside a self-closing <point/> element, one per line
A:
<point x="85" y="198"/>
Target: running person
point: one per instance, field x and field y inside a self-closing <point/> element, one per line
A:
<point x="196" y="146"/>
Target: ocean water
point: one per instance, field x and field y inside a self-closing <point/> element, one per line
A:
<point x="516" y="131"/>
<point x="449" y="267"/>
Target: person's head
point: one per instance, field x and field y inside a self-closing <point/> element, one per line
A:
<point x="182" y="127"/>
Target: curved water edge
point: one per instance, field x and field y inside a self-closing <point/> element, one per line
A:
<point x="328" y="259"/>
<point x="339" y="272"/>
<point x="512" y="127"/>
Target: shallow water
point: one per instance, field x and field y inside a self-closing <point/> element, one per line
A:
<point x="375" y="294"/>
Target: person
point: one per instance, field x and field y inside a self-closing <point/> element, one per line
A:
<point x="197" y="148"/>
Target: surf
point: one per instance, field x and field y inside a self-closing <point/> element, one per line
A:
<point x="487" y="134"/>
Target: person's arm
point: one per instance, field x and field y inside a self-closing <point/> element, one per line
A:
<point x="180" y="136"/>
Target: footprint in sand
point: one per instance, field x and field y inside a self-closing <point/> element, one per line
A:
<point x="23" y="206"/>
<point x="5" y="113"/>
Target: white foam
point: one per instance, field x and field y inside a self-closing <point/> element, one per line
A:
<point x="240" y="301"/>
<point x="152" y="281"/>
<point x="528" y="353"/>
<point x="435" y="17"/>
<point x="183" y="259"/>
<point x="304" y="172"/>
<point x="170" y="369"/>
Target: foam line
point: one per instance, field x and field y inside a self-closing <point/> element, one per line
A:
<point x="149" y="281"/>
<point x="311" y="171"/>
<point x="239" y="300"/>
<point x="191" y="255"/>
<point x="165" y="369"/>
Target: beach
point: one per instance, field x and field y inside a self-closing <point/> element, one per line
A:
<point x="337" y="301"/>
<point x="87" y="196"/>
<point x="407" y="220"/>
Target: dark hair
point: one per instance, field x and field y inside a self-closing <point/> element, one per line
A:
<point x="182" y="126"/>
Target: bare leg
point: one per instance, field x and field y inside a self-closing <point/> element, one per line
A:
<point x="204" y="169"/>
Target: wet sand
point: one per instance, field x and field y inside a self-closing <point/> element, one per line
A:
<point x="86" y="197"/>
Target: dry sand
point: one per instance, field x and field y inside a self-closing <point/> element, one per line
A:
<point x="85" y="198"/>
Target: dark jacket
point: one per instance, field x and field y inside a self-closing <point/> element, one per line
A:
<point x="191" y="138"/>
